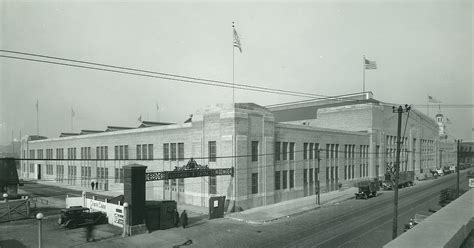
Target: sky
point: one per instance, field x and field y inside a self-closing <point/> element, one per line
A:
<point x="421" y="48"/>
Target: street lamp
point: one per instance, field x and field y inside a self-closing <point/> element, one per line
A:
<point x="5" y="196"/>
<point x="39" y="217"/>
<point x="125" y="219"/>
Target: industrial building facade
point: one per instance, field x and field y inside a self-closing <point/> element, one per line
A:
<point x="278" y="153"/>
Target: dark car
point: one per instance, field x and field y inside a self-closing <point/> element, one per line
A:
<point x="77" y="216"/>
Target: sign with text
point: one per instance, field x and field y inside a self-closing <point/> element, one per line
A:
<point x="165" y="175"/>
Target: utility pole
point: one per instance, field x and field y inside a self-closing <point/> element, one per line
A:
<point x="457" y="166"/>
<point x="400" y="110"/>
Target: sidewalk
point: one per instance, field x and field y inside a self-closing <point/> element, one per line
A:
<point x="265" y="214"/>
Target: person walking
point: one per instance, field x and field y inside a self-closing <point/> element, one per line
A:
<point x="96" y="185"/>
<point x="92" y="184"/>
<point x="89" y="230"/>
<point x="184" y="218"/>
<point x="176" y="218"/>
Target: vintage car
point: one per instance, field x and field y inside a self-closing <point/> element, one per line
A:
<point x="77" y="216"/>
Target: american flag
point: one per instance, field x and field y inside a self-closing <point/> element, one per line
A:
<point x="433" y="100"/>
<point x="370" y="65"/>
<point x="237" y="41"/>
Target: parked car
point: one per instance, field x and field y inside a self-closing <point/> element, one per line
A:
<point x="452" y="168"/>
<point x="77" y="216"/>
<point x="439" y="171"/>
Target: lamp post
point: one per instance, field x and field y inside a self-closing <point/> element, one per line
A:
<point x="39" y="217"/>
<point x="5" y="196"/>
<point x="125" y="219"/>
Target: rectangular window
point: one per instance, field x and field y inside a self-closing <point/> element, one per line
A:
<point x="327" y="150"/>
<point x="254" y="183"/>
<point x="116" y="175"/>
<point x="125" y="151"/>
<point x="305" y="151"/>
<point x="139" y="152"/>
<point x="305" y="176"/>
<point x="311" y="147"/>
<point x="345" y="172"/>
<point x="277" y="180"/>
<point x="277" y="151"/>
<point x="332" y="172"/>
<point x="316" y="150"/>
<point x="116" y="152"/>
<point x="121" y="152"/>
<point x="173" y="151"/>
<point x="337" y="172"/>
<point x="150" y="151"/>
<point x="292" y="179"/>
<point x="285" y="150"/>
<point x="311" y="176"/>
<point x="212" y="151"/>
<point x="337" y="151"/>
<point x="180" y="151"/>
<point x="144" y="152"/>
<point x="292" y="150"/>
<point x="254" y="151"/>
<point x="166" y="152"/>
<point x="285" y="179"/>
<point x="212" y="185"/>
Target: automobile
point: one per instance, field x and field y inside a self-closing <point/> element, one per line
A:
<point x="439" y="171"/>
<point x="452" y="168"/>
<point x="77" y="216"/>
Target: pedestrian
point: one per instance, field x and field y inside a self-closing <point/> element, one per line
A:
<point x="96" y="185"/>
<point x="184" y="218"/>
<point x="176" y="218"/>
<point x="92" y="184"/>
<point x="89" y="230"/>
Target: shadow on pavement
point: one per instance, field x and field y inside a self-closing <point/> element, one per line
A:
<point x="11" y="243"/>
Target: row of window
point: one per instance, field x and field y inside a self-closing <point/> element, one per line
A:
<point x="144" y="152"/>
<point x="121" y="152"/>
<point x="174" y="151"/>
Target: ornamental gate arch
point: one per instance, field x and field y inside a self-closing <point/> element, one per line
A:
<point x="135" y="178"/>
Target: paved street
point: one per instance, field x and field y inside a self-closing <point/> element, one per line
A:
<point x="351" y="223"/>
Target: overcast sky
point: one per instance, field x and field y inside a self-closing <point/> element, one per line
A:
<point x="421" y="48"/>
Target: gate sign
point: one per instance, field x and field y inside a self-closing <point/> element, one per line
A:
<point x="191" y="169"/>
<point x="165" y="175"/>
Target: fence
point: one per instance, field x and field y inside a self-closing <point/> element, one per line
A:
<point x="114" y="212"/>
<point x="14" y="210"/>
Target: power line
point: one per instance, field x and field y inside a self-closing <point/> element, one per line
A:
<point x="167" y="75"/>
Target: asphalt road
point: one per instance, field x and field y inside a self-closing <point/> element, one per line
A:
<point x="361" y="223"/>
<point x="352" y="223"/>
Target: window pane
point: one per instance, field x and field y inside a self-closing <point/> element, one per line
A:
<point x="285" y="179"/>
<point x="166" y="151"/>
<point x="212" y="151"/>
<point x="139" y="152"/>
<point x="254" y="150"/>
<point x="292" y="151"/>
<point x="181" y="151"/>
<point x="277" y="180"/>
<point x="254" y="183"/>
<point x="277" y="151"/>
<point x="173" y="151"/>
<point x="292" y="179"/>
<point x="150" y="151"/>
<point x="285" y="150"/>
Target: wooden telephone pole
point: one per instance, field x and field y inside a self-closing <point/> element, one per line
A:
<point x="400" y="110"/>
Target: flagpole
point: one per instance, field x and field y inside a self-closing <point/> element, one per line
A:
<point x="233" y="52"/>
<point x="72" y="120"/>
<point x="428" y="106"/>
<point x="363" y="69"/>
<point x="37" y="117"/>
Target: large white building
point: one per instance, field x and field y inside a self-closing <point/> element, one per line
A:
<point x="273" y="149"/>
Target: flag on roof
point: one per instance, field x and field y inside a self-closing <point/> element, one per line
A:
<point x="370" y="65"/>
<point x="237" y="41"/>
<point x="433" y="100"/>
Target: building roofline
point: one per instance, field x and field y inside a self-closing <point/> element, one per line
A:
<point x="321" y="129"/>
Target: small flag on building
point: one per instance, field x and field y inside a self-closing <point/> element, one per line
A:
<point x="433" y="100"/>
<point x="140" y="118"/>
<point x="370" y="65"/>
<point x="237" y="41"/>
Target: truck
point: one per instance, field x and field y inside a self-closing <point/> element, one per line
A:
<point x="406" y="179"/>
<point x="367" y="189"/>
